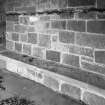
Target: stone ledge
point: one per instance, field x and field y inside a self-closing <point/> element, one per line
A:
<point x="74" y="73"/>
<point x="21" y="68"/>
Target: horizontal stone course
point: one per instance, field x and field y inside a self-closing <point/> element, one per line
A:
<point x="75" y="3"/>
<point x="53" y="55"/>
<point x="96" y="26"/>
<point x="90" y="40"/>
<point x="58" y="24"/>
<point x="76" y="25"/>
<point x="92" y="67"/>
<point x="20" y="28"/>
<point x="12" y="18"/>
<point x="93" y="99"/>
<point x="71" y="60"/>
<point x="78" y="74"/>
<point x="51" y="82"/>
<point x="71" y="91"/>
<point x="81" y="50"/>
<point x="66" y="37"/>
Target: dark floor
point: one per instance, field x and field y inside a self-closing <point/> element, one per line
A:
<point x="16" y="85"/>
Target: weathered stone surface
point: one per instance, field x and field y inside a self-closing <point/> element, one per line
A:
<point x="9" y="45"/>
<point x="100" y="57"/>
<point x="93" y="99"/>
<point x="38" y="52"/>
<point x="93" y="67"/>
<point x="2" y="63"/>
<point x="9" y="26"/>
<point x="32" y="90"/>
<point x="90" y="40"/>
<point x="71" y="60"/>
<point x="53" y="55"/>
<point x="75" y="25"/>
<point x="23" y="37"/>
<point x="24" y="20"/>
<point x="51" y="82"/>
<point x="44" y="41"/>
<point x="58" y="24"/>
<point x="20" y="28"/>
<point x="81" y="50"/>
<point x="75" y="3"/>
<point x="66" y="37"/>
<point x="18" y="47"/>
<point x="15" y="36"/>
<point x="99" y="26"/>
<point x="71" y="91"/>
<point x="75" y="73"/>
<point x="32" y="38"/>
<point x="27" y="49"/>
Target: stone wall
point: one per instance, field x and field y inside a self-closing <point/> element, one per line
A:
<point x="71" y="40"/>
<point x="2" y="22"/>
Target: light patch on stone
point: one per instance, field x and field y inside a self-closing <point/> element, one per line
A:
<point x="33" y="18"/>
<point x="11" y="66"/>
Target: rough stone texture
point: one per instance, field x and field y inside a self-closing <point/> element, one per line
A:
<point x="99" y="26"/>
<point x="31" y="29"/>
<point x="89" y="15"/>
<point x="20" y="28"/>
<point x="9" y="45"/>
<point x="81" y="3"/>
<point x="93" y="99"/>
<point x="15" y="36"/>
<point x="70" y="90"/>
<point x="91" y="40"/>
<point x="23" y="37"/>
<point x="40" y="94"/>
<point x="24" y="20"/>
<point x="76" y="35"/>
<point x="58" y="24"/>
<point x="66" y="37"/>
<point x="101" y="4"/>
<point x="12" y="18"/>
<point x="18" y="47"/>
<point x="44" y="41"/>
<point x="88" y="59"/>
<point x="9" y="36"/>
<point x="71" y="60"/>
<point x="81" y="50"/>
<point x="69" y="71"/>
<point x="9" y="27"/>
<point x="32" y="38"/>
<point x="76" y="25"/>
<point x="93" y="67"/>
<point x="100" y="57"/>
<point x="51" y="82"/>
<point x="26" y="9"/>
<point x="38" y="52"/>
<point x="53" y="55"/>
<point x="27" y="49"/>
<point x="66" y="15"/>
<point x="2" y="63"/>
